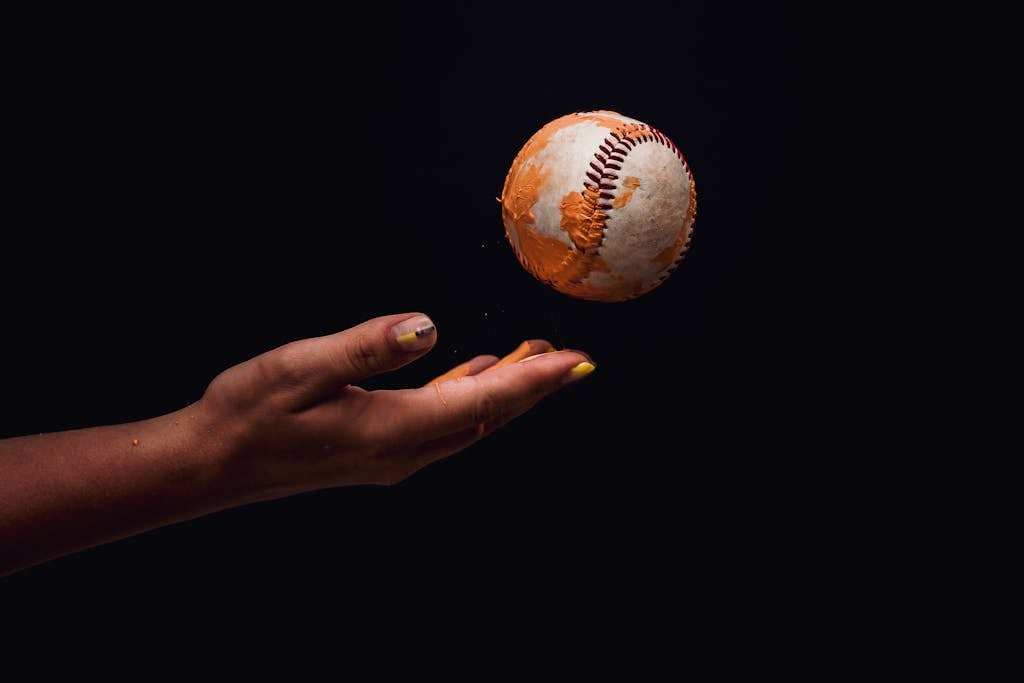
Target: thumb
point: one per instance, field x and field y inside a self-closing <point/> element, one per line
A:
<point x="320" y="365"/>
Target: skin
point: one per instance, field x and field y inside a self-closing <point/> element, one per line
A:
<point x="288" y="421"/>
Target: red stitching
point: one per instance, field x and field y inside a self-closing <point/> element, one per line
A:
<point x="614" y="152"/>
<point x="611" y="156"/>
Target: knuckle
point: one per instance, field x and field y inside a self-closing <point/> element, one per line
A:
<point x="364" y="355"/>
<point x="486" y="407"/>
<point x="285" y="366"/>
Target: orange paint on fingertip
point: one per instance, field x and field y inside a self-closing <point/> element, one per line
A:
<point x="524" y="350"/>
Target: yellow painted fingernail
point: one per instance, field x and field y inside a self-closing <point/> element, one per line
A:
<point x="415" y="334"/>
<point x="581" y="370"/>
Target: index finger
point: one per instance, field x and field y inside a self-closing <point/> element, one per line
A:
<point x="530" y="347"/>
<point x="445" y="407"/>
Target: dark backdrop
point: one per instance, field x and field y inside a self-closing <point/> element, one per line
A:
<point x="191" y="190"/>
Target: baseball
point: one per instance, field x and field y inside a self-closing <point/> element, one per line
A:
<point x="599" y="206"/>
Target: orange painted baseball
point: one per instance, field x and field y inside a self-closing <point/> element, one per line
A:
<point x="599" y="206"/>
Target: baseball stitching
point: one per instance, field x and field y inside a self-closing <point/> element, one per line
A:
<point x="612" y="158"/>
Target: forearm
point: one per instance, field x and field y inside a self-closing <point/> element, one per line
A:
<point x="66" y="491"/>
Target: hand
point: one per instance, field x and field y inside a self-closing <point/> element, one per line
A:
<point x="297" y="420"/>
<point x="290" y="420"/>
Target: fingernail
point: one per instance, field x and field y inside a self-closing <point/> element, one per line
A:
<point x="415" y="334"/>
<point x="580" y="371"/>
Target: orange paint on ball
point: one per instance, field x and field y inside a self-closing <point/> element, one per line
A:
<point x="630" y="184"/>
<point x="599" y="206"/>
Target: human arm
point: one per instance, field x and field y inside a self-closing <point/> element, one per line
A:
<point x="288" y="421"/>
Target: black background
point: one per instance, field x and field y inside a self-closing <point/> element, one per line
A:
<point x="190" y="190"/>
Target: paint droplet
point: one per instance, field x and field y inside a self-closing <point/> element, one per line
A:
<point x="135" y="442"/>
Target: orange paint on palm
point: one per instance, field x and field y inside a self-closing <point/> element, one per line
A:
<point x="440" y="394"/>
